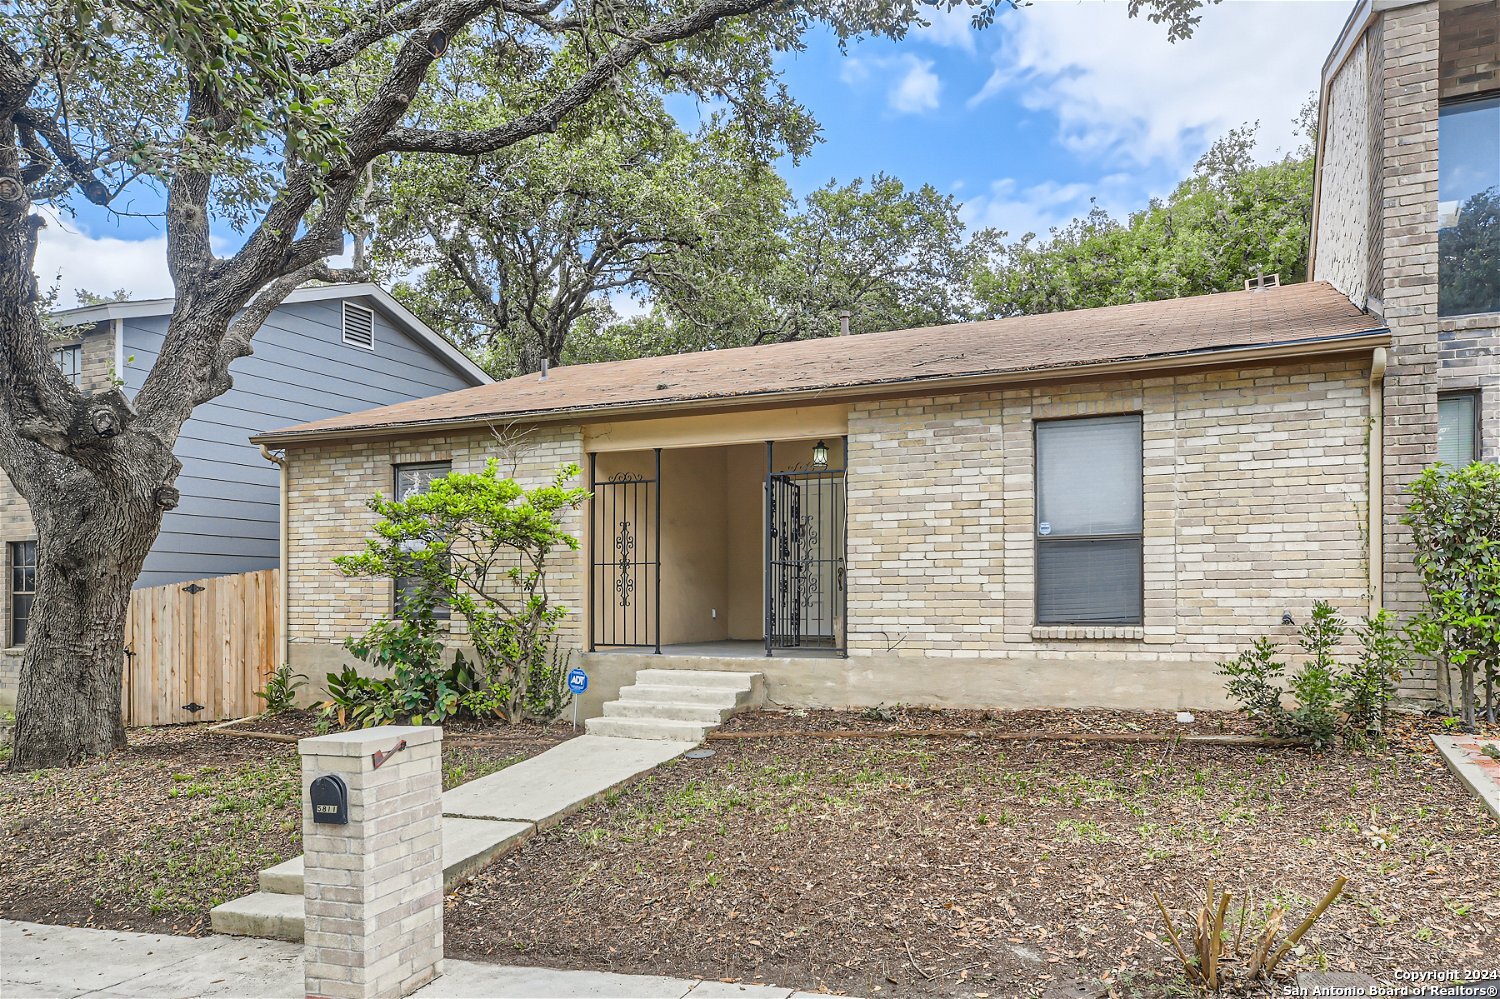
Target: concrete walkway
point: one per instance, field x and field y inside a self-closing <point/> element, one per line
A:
<point x="482" y="820"/>
<point x="60" y="962"/>
<point x="1465" y="756"/>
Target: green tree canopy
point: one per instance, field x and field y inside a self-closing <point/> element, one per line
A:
<point x="890" y="256"/>
<point x="1231" y="219"/>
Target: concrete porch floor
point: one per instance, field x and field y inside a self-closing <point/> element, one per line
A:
<point x="729" y="649"/>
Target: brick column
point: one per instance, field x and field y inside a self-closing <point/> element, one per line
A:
<point x="1408" y="172"/>
<point x="373" y="888"/>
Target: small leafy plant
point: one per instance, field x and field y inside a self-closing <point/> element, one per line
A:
<point x="1330" y="699"/>
<point x="281" y="689"/>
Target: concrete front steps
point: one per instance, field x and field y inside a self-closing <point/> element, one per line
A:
<point x="678" y="705"/>
<point x="275" y="912"/>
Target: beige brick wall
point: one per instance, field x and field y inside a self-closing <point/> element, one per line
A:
<point x="1255" y="491"/>
<point x="1255" y="501"/>
<point x="1409" y="241"/>
<point x="328" y="487"/>
<point x="1470" y="48"/>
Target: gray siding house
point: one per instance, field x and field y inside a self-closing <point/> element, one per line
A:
<point x="327" y="351"/>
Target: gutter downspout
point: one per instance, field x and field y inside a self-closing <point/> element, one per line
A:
<point x="283" y="582"/>
<point x="1377" y="479"/>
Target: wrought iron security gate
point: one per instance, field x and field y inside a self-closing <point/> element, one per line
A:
<point x="806" y="595"/>
<point x="625" y="558"/>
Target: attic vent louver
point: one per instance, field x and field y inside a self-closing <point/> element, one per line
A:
<point x="1263" y="281"/>
<point x="359" y="326"/>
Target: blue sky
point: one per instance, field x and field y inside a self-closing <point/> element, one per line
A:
<point x="1023" y="122"/>
<point x="1057" y="102"/>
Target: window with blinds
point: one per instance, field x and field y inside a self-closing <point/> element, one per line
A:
<point x="1088" y="521"/>
<point x="412" y="480"/>
<point x="1458" y="428"/>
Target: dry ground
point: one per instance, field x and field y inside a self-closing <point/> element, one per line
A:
<point x="966" y="867"/>
<point x="153" y="837"/>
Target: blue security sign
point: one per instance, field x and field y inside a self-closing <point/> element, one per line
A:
<point x="578" y="680"/>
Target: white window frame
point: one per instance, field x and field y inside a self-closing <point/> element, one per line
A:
<point x="75" y="378"/>
<point x="1040" y="539"/>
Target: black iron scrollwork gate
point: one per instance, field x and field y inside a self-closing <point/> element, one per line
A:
<point x="625" y="560"/>
<point x="806" y="593"/>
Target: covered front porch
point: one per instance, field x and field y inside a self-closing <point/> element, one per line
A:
<point x="718" y="550"/>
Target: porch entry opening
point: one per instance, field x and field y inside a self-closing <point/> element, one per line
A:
<point x="718" y="550"/>
<point x="805" y="599"/>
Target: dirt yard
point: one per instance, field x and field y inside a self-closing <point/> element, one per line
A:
<point x="153" y="837"/>
<point x="967" y="867"/>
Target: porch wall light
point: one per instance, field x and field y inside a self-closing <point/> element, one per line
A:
<point x="820" y="455"/>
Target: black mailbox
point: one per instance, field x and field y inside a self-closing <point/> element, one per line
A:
<point x="330" y="800"/>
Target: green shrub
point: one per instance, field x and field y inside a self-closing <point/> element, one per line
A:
<point x="1329" y="699"/>
<point x="281" y="689"/>
<point x="1455" y="521"/>
<point x="478" y="544"/>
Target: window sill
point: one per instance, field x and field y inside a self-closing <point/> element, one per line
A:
<point x="1472" y="321"/>
<point x="1096" y="632"/>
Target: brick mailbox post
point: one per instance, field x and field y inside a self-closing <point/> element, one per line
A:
<point x="372" y="843"/>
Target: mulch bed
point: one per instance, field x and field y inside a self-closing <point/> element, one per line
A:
<point x="939" y="867"/>
<point x="1095" y="721"/>
<point x="153" y="837"/>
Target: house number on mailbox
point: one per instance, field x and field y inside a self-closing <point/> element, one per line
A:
<point x="330" y="800"/>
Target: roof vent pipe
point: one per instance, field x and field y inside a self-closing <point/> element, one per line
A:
<point x="544" y="369"/>
<point x="844" y="315"/>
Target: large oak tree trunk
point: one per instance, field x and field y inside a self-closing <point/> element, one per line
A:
<point x="92" y="540"/>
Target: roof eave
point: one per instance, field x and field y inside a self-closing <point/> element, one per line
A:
<point x="388" y="303"/>
<point x="1208" y="357"/>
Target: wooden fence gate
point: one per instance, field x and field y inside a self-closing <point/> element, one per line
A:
<point x="199" y="651"/>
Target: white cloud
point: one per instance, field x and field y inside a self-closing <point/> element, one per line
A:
<point x="1039" y="208"/>
<point x="918" y="89"/>
<point x="948" y="27"/>
<point x="911" y="85"/>
<point x="71" y="258"/>
<point x="1119" y="90"/>
<point x="1018" y="210"/>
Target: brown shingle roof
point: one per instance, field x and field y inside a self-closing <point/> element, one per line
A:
<point x="1169" y="331"/>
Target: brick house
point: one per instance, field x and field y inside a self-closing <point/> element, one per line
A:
<point x="1089" y="508"/>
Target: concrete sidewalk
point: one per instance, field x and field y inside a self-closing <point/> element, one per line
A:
<point x="60" y="962"/>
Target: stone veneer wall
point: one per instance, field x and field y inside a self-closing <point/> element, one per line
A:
<point x="328" y="487"/>
<point x="15" y="516"/>
<point x="1344" y="198"/>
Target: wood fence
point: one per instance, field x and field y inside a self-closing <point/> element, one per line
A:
<point x="199" y="651"/>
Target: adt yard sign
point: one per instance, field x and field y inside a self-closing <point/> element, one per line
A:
<point x="578" y="682"/>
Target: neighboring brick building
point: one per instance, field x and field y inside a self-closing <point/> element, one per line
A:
<point x="1410" y="135"/>
<point x="1087" y="508"/>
